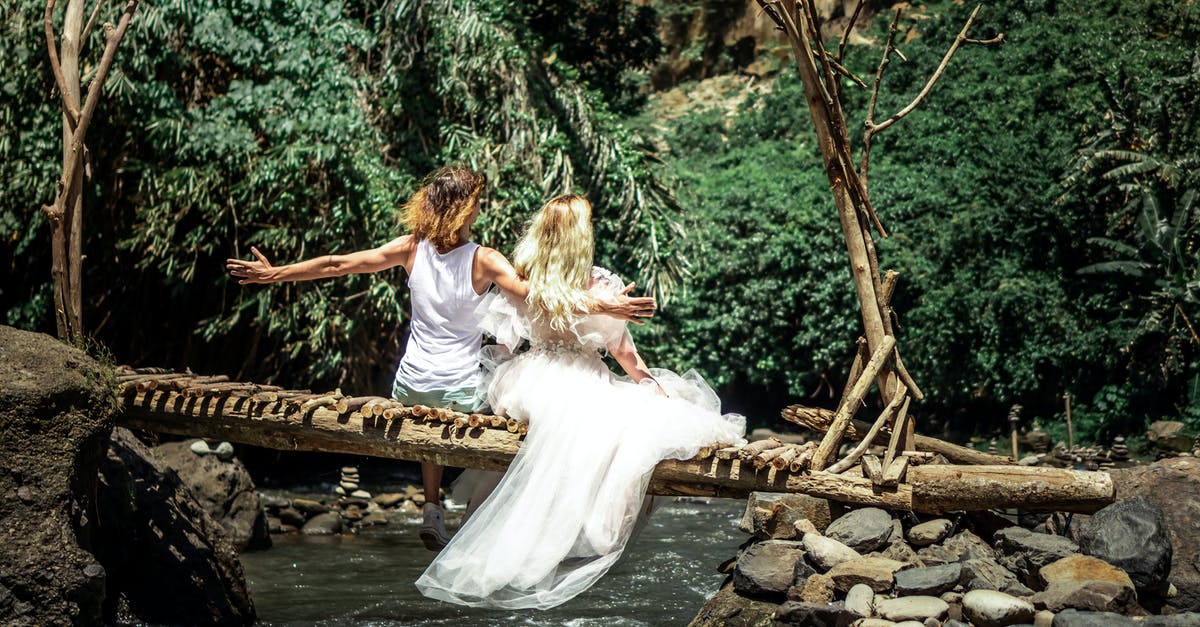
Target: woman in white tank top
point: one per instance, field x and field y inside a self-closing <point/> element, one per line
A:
<point x="448" y="276"/>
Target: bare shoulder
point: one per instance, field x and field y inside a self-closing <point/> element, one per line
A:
<point x="404" y="244"/>
<point x="492" y="259"/>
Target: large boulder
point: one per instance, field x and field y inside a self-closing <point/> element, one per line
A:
<point x="168" y="561"/>
<point x="1132" y="535"/>
<point x="1172" y="485"/>
<point x="225" y="490"/>
<point x="56" y="413"/>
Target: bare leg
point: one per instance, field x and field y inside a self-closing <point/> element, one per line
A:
<point x="431" y="480"/>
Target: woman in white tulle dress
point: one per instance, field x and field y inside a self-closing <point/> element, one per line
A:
<point x="567" y="506"/>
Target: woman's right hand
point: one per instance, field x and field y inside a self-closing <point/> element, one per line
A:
<point x="248" y="272"/>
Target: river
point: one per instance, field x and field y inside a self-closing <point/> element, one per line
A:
<point x="366" y="579"/>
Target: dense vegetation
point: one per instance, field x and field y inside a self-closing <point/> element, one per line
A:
<point x="1042" y="201"/>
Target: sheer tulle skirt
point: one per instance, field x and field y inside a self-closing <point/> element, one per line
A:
<point x="567" y="506"/>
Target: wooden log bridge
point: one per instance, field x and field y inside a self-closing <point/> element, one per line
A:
<point x="299" y="420"/>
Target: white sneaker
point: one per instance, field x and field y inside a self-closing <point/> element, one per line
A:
<point x="433" y="529"/>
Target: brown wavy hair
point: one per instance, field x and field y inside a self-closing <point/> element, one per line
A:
<point x="440" y="209"/>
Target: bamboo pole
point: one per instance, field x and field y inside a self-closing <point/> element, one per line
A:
<point x="819" y="420"/>
<point x="841" y="419"/>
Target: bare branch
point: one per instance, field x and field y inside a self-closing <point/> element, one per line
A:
<point x="849" y="28"/>
<point x="888" y="49"/>
<point x="958" y="42"/>
<point x="87" y="30"/>
<point x="70" y="112"/>
<point x="113" y="36"/>
<point x="841" y="69"/>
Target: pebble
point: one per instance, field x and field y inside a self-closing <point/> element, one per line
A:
<point x="989" y="608"/>
<point x="930" y="532"/>
<point x="360" y="494"/>
<point x="912" y="608"/>
<point x="389" y="500"/>
<point x="860" y="599"/>
<point x="825" y="553"/>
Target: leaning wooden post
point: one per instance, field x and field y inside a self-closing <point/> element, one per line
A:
<point x="849" y="406"/>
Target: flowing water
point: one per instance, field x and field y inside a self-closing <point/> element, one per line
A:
<point x="666" y="576"/>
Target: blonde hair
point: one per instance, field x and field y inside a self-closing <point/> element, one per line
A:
<point x="440" y="209"/>
<point x="555" y="256"/>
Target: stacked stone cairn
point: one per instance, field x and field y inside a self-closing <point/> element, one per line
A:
<point x="349" y="511"/>
<point x="872" y="568"/>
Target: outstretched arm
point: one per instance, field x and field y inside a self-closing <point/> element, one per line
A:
<point x="497" y="269"/>
<point x="627" y="355"/>
<point x="394" y="253"/>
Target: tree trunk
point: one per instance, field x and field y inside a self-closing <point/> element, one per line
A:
<point x="65" y="233"/>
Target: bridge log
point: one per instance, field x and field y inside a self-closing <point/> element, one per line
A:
<point x="407" y="436"/>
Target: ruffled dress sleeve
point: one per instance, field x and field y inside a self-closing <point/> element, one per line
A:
<point x="504" y="318"/>
<point x="597" y="330"/>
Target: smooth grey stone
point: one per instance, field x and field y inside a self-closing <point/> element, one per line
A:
<point x="932" y="580"/>
<point x="825" y="553"/>
<point x="1076" y="618"/>
<point x="863" y="530"/>
<point x="989" y="608"/>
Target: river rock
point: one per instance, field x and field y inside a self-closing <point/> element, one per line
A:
<point x="1172" y="485"/>
<point x="224" y="489"/>
<point x="813" y="614"/>
<point x="1025" y="552"/>
<point x="967" y="545"/>
<point x="989" y="608"/>
<point x="876" y="572"/>
<point x="875" y="622"/>
<point x="860" y="600"/>
<point x="56" y="413"/>
<point x="1043" y="618"/>
<point x="329" y="523"/>
<point x="727" y="608"/>
<point x="292" y="516"/>
<point x="863" y="530"/>
<point x="767" y="568"/>
<point x="930" y="532"/>
<point x="816" y="588"/>
<point x="1131" y="535"/>
<point x="928" y="580"/>
<point x="772" y="515"/>
<point x="1076" y="618"/>
<point x="1183" y="619"/>
<point x="1085" y="583"/>
<point x="168" y="561"/>
<point x="389" y="500"/>
<point x="825" y="553"/>
<point x="916" y="608"/>
<point x="988" y="574"/>
<point x="309" y="507"/>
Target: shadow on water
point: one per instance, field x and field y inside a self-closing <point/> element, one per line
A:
<point x="667" y="574"/>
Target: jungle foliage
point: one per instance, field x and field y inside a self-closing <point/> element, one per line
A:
<point x="1042" y="210"/>
<point x="1042" y="201"/>
<point x="300" y="126"/>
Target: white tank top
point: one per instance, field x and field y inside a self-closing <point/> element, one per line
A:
<point x="444" y="338"/>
